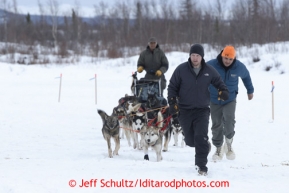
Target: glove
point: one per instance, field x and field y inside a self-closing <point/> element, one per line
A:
<point x="223" y="95"/>
<point x="174" y="109"/>
<point x="173" y="106"/>
<point x="140" y="69"/>
<point x="158" y="73"/>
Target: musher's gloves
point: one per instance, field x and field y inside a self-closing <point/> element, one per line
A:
<point x="158" y="73"/>
<point x="140" y="69"/>
<point x="223" y="95"/>
<point x="173" y="106"/>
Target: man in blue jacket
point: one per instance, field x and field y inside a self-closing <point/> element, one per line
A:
<point x="189" y="97"/>
<point x="223" y="112"/>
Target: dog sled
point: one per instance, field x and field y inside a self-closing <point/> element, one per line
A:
<point x="143" y="89"/>
<point x="148" y="93"/>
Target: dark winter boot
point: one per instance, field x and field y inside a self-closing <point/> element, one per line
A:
<point x="201" y="172"/>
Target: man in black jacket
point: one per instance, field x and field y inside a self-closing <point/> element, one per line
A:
<point x="189" y="97"/>
<point x="154" y="62"/>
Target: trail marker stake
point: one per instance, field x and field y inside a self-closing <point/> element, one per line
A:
<point x="272" y="91"/>
<point x="95" y="87"/>
<point x="60" y="87"/>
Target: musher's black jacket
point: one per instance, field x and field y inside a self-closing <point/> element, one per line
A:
<point x="191" y="90"/>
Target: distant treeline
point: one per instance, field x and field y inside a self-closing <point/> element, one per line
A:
<point x="117" y="30"/>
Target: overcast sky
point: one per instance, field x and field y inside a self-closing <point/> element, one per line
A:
<point x="87" y="3"/>
<point x="86" y="6"/>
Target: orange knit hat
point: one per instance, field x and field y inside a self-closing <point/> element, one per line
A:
<point x="229" y="52"/>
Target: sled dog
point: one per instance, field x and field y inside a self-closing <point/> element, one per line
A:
<point x="154" y="138"/>
<point x="119" y="111"/>
<point x="167" y="130"/>
<point x="138" y="125"/>
<point x="125" y="120"/>
<point x="138" y="122"/>
<point x="177" y="129"/>
<point x="110" y="129"/>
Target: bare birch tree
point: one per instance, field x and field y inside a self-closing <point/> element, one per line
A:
<point x="14" y="21"/>
<point x="54" y="8"/>
<point x="5" y="7"/>
<point x="284" y="21"/>
<point x="76" y="30"/>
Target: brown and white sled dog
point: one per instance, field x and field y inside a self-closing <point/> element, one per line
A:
<point x="110" y="129"/>
<point x="153" y="138"/>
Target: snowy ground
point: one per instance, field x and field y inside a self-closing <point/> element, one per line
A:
<point x="45" y="143"/>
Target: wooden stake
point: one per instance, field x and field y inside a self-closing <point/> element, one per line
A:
<point x="95" y="89"/>
<point x="60" y="87"/>
<point x="272" y="100"/>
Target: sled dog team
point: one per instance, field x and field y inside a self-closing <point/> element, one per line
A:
<point x="146" y="127"/>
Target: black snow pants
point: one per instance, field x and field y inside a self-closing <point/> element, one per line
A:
<point x="195" y="123"/>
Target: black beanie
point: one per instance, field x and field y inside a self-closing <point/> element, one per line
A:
<point x="197" y="49"/>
